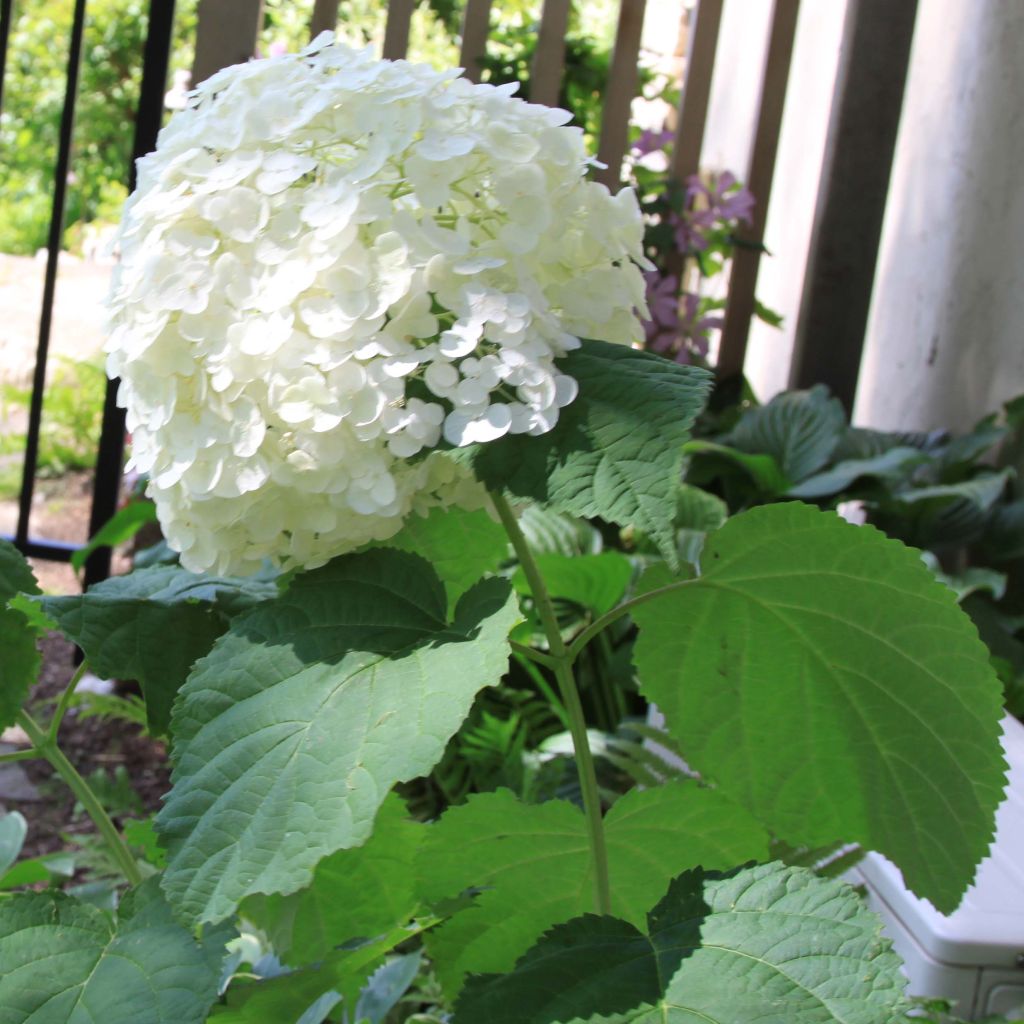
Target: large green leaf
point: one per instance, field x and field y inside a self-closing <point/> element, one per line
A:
<point x="66" y="961"/>
<point x="710" y="460"/>
<point x="592" y="965"/>
<point x="821" y="677"/>
<point x="534" y="863"/>
<point x="153" y="625"/>
<point x="288" y="736"/>
<point x="771" y="944"/>
<point x="616" y="450"/>
<point x="594" y="582"/>
<point x="19" y="658"/>
<point x="355" y="893"/>
<point x="461" y="546"/>
<point x="19" y="663"/>
<point x="15" y="574"/>
<point x="890" y="465"/>
<point x="799" y="429"/>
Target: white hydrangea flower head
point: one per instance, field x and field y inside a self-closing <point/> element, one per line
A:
<point x="333" y="270"/>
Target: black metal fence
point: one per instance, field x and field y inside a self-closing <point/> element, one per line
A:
<point x="110" y="454"/>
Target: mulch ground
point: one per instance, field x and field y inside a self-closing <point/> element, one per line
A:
<point x="89" y="743"/>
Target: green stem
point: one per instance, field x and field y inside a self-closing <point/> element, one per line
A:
<point x="45" y="747"/>
<point x="65" y="701"/>
<point x="19" y="755"/>
<point x="601" y="624"/>
<point x="542" y="684"/>
<point x="570" y="697"/>
<point x="533" y="654"/>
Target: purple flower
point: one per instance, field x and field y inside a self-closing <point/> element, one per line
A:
<point x="663" y="302"/>
<point x="725" y="199"/>
<point x="651" y="142"/>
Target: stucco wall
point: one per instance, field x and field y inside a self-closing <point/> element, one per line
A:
<point x="945" y="339"/>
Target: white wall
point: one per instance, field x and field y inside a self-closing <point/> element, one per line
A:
<point x="945" y="338"/>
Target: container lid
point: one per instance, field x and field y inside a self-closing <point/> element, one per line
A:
<point x="987" y="928"/>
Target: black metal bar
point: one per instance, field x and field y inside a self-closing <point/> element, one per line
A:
<point x="56" y="235"/>
<point x="110" y="457"/>
<point x="865" y="118"/>
<point x="51" y="550"/>
<point x="6" y="14"/>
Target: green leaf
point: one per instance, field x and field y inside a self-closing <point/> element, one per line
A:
<point x="863" y="443"/>
<point x="65" y="961"/>
<point x="890" y="465"/>
<point x="19" y="663"/>
<point x="594" y="582"/>
<point x="973" y="580"/>
<point x="698" y="510"/>
<point x="774" y="944"/>
<point x="1004" y="536"/>
<point x="153" y="625"/>
<point x="982" y="491"/>
<point x="555" y="533"/>
<point x="121" y="527"/>
<point x="20" y="660"/>
<point x="13" y="829"/>
<point x="52" y="868"/>
<point x="763" y="470"/>
<point x="616" y="451"/>
<point x="461" y="546"/>
<point x="534" y="863"/>
<point x="828" y="657"/>
<point x="592" y="965"/>
<point x="285" y="997"/>
<point x="15" y="573"/>
<point x="943" y="514"/>
<point x="781" y="944"/>
<point x="799" y="429"/>
<point x="386" y="987"/>
<point x="355" y="893"/>
<point x="288" y="736"/>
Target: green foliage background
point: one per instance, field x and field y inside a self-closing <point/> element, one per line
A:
<point x="111" y="71"/>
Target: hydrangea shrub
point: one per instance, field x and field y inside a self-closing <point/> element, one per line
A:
<point x="353" y="292"/>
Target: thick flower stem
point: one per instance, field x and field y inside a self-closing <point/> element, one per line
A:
<point x="562" y="668"/>
<point x="45" y="747"/>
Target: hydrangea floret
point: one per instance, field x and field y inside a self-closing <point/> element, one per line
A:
<point x="335" y="269"/>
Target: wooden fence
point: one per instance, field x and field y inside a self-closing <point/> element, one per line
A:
<point x="854" y="184"/>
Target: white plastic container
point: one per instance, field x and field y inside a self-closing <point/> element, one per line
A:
<point x="975" y="956"/>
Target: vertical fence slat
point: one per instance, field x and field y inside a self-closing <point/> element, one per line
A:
<point x="226" y="34"/>
<point x="396" y="31"/>
<point x="6" y="14"/>
<point x="324" y="18"/>
<point x="476" y="24"/>
<point x="620" y="92"/>
<point x="53" y="244"/>
<point x="693" y="104"/>
<point x="549" y="57"/>
<point x="156" y="56"/>
<point x="859" y="150"/>
<point x="746" y="260"/>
